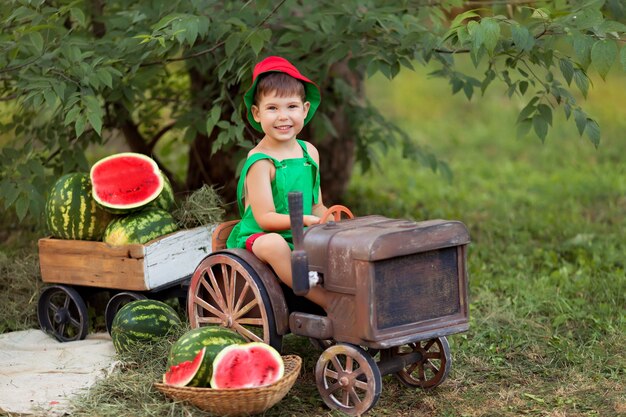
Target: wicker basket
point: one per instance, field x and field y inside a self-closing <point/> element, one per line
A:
<point x="237" y="402"/>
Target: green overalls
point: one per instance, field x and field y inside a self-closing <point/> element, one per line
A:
<point x="294" y="174"/>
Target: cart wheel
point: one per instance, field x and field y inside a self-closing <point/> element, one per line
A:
<point x="348" y="379"/>
<point x="226" y="291"/>
<point x="118" y="301"/>
<point x="336" y="211"/>
<point x="62" y="313"/>
<point x="432" y="369"/>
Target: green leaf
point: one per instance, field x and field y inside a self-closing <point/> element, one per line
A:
<point x="21" y="206"/>
<point x="523" y="86"/>
<point x="582" y="81"/>
<point x="529" y="109"/>
<point x="36" y="40"/>
<point x="567" y="69"/>
<point x="622" y="55"/>
<point x="593" y="132"/>
<point x="96" y="122"/>
<point x="580" y="117"/>
<point x="546" y="112"/>
<point x="78" y="16"/>
<point x="105" y="77"/>
<point x="603" y="55"/>
<point x="232" y="43"/>
<point x="256" y="43"/>
<point x="491" y="34"/>
<point x="213" y="118"/>
<point x="79" y="126"/>
<point x="8" y="192"/>
<point x="540" y="126"/>
<point x="522" y="38"/>
<point x="582" y="49"/>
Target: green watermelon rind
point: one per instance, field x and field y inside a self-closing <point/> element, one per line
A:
<point x="140" y="227"/>
<point x="128" y="207"/>
<point x="186" y="375"/>
<point x="142" y="321"/>
<point x="165" y="200"/>
<point x="214" y="338"/>
<point x="71" y="211"/>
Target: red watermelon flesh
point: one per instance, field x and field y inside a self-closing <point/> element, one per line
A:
<point x="248" y="365"/>
<point x="126" y="181"/>
<point x="182" y="374"/>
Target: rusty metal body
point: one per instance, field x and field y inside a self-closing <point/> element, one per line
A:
<point x="400" y="281"/>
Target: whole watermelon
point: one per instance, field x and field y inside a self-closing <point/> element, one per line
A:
<point x="71" y="212"/>
<point x="140" y="227"/>
<point x="213" y="338"/>
<point x="142" y="321"/>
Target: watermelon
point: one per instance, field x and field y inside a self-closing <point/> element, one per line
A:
<point x="140" y="227"/>
<point x="183" y="373"/>
<point x="71" y="212"/>
<point x="142" y="321"/>
<point x="213" y="338"/>
<point x="249" y="365"/>
<point x="165" y="200"/>
<point x="125" y="181"/>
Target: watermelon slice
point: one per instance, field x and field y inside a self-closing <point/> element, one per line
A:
<point x="248" y="365"/>
<point x="182" y="374"/>
<point x="125" y="181"/>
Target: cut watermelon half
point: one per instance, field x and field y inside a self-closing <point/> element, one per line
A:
<point x="182" y="374"/>
<point x="125" y="181"/>
<point x="249" y="365"/>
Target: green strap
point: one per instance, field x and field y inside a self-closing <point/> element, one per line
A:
<point x="242" y="179"/>
<point x="259" y="156"/>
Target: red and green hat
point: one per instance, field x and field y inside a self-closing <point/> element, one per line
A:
<point x="278" y="64"/>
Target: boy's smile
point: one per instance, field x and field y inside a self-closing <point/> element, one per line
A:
<point x="281" y="118"/>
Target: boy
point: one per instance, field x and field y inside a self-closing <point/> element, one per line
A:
<point x="279" y="102"/>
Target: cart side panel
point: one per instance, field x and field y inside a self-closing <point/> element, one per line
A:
<point x="93" y="264"/>
<point x="176" y="255"/>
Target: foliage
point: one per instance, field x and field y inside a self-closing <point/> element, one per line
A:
<point x="166" y="74"/>
<point x="546" y="265"/>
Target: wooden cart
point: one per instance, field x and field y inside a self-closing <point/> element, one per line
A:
<point x="159" y="269"/>
<point x="400" y="288"/>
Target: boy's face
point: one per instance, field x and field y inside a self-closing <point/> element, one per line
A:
<point x="281" y="118"/>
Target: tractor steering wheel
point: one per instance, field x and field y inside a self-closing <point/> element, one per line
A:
<point x="336" y="212"/>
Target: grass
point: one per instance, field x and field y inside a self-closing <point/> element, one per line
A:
<point x="547" y="268"/>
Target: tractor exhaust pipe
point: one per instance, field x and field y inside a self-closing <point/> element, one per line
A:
<point x="299" y="261"/>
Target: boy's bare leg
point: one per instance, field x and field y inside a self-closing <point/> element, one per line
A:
<point x="274" y="250"/>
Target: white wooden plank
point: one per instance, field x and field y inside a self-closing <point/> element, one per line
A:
<point x="176" y="256"/>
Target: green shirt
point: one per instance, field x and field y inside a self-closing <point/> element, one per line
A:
<point x="294" y="174"/>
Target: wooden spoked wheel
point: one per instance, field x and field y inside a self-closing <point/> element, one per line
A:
<point x="227" y="292"/>
<point x="335" y="212"/>
<point x="432" y="369"/>
<point x="348" y="379"/>
<point x="62" y="313"/>
<point x="118" y="301"/>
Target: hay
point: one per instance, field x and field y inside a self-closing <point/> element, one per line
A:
<point x="204" y="206"/>
<point x="20" y="283"/>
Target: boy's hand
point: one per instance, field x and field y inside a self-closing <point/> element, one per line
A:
<point x="310" y="220"/>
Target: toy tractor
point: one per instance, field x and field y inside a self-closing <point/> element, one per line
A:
<point x="402" y="287"/>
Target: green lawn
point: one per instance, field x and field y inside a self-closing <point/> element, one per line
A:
<point x="547" y="268"/>
<point x="547" y="280"/>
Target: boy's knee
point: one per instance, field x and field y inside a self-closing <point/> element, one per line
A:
<point x="270" y="245"/>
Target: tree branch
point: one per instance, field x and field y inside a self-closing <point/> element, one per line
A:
<point x="160" y="134"/>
